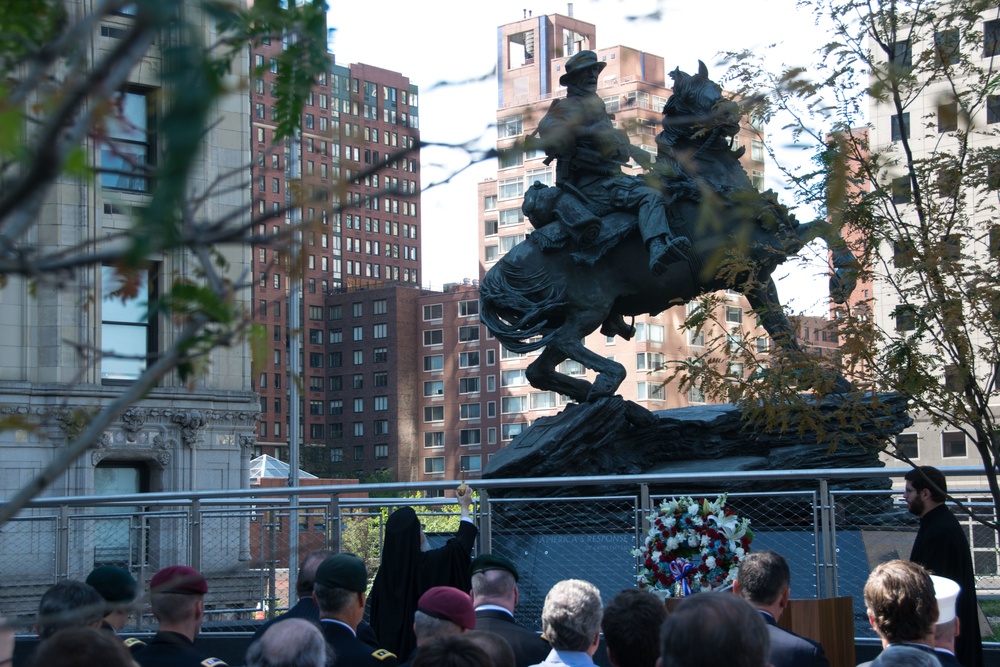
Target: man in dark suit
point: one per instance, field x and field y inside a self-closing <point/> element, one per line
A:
<point x="765" y="582"/>
<point x="305" y="608"/>
<point x="899" y="597"/>
<point x="339" y="593"/>
<point x="494" y="595"/>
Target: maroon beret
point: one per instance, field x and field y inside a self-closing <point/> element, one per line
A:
<point x="178" y="579"/>
<point x="449" y="604"/>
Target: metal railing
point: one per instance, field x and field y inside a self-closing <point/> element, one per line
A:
<point x="830" y="529"/>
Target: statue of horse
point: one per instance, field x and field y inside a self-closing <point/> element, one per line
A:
<point x="550" y="296"/>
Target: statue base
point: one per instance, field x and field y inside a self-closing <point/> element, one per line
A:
<point x="612" y="436"/>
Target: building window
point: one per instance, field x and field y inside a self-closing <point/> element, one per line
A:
<point x="359" y="405"/>
<point x="433" y="312"/>
<point x="357" y="333"/>
<point x="433" y="413"/>
<point x="468" y="359"/>
<point x="469" y="411"/>
<point x="953" y="444"/>
<point x="336" y="406"/>
<point x="653" y="333"/>
<point x="906" y="318"/>
<point x="434" y="465"/>
<point x="359" y="452"/>
<point x="472" y="463"/>
<point x="359" y="429"/>
<point x="380" y="355"/>
<point x="336" y="455"/>
<point x="358" y="357"/>
<point x="902" y="55"/>
<point x="734" y="315"/>
<point x="433" y="439"/>
<point x="513" y="378"/>
<point x="381" y="427"/>
<point x="469" y="436"/>
<point x="991" y="38"/>
<point x="947" y="115"/>
<point x="468" y="334"/>
<point x="510" y="431"/>
<point x="381" y="451"/>
<point x="434" y="362"/>
<point x="946" y="46"/>
<point x="468" y="385"/>
<point x="695" y="394"/>
<point x="907" y="445"/>
<point x="513" y="404"/>
<point x="433" y="337"/>
<point x="468" y="308"/>
<point x="542" y="400"/>
<point x="757" y="150"/>
<point x="380" y="331"/>
<point x="993" y="108"/>
<point x="379" y="307"/>
<point x="900" y="126"/>
<point x="900" y="187"/>
<point x="381" y="404"/>
<point x="129" y="150"/>
<point x="357" y="309"/>
<point x="380" y="379"/>
<point x="127" y="338"/>
<point x="434" y="388"/>
<point x="510" y="126"/>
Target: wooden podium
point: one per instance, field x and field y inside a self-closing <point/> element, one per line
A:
<point x="829" y="621"/>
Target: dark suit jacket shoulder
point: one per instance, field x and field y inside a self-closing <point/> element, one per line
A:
<point x="791" y="650"/>
<point x="529" y="647"/>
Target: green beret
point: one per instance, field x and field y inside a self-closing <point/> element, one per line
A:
<point x="487" y="562"/>
<point x="345" y="571"/>
<point x="113" y="583"/>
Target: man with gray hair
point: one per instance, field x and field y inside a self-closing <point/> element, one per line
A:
<point x="714" y="629"/>
<point x="292" y="643"/>
<point x="571" y="621"/>
<point x="69" y="604"/>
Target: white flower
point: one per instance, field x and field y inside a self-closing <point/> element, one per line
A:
<point x="697" y="521"/>
<point x="672" y="543"/>
<point x="727" y="524"/>
<point x="693" y="509"/>
<point x="669" y="522"/>
<point x="656" y="556"/>
<point x="704" y="540"/>
<point x="739" y="551"/>
<point x="693" y="541"/>
<point x="710" y="562"/>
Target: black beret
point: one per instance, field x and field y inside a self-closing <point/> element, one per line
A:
<point x="345" y="571"/>
<point x="493" y="562"/>
<point x="113" y="583"/>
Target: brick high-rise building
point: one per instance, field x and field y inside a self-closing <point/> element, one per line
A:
<point x="356" y="166"/>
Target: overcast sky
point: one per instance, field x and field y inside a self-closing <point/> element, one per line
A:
<point x="433" y="41"/>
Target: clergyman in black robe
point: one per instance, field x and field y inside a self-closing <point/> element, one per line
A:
<point x="407" y="571"/>
<point x="943" y="549"/>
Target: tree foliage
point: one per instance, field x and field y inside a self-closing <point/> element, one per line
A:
<point x="899" y="110"/>
<point x="59" y="97"/>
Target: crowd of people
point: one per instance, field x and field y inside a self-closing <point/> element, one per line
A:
<point x="441" y="608"/>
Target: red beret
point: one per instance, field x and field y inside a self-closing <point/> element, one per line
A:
<point x="449" y="604"/>
<point x="178" y="579"/>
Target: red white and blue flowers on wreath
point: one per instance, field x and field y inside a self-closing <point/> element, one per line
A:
<point x="692" y="545"/>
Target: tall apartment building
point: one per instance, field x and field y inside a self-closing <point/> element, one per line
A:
<point x="931" y="121"/>
<point x="356" y="166"/>
<point x="531" y="53"/>
<point x="183" y="435"/>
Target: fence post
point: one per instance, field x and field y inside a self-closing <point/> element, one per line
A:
<point x="826" y="551"/>
<point x="62" y="550"/>
<point x="271" y="560"/>
<point x="334" y="525"/>
<point x="643" y="511"/>
<point x="485" y="523"/>
<point x="195" y="534"/>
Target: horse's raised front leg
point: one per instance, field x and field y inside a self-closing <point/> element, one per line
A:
<point x="610" y="374"/>
<point x="542" y="374"/>
<point x="764" y="300"/>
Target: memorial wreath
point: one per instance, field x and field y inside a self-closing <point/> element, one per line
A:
<point x="692" y="545"/>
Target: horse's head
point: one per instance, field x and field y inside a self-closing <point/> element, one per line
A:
<point x="697" y="106"/>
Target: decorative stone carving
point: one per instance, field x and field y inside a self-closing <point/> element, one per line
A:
<point x="191" y="423"/>
<point x="247" y="443"/>
<point x="133" y="419"/>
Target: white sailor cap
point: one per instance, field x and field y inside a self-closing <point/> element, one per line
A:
<point x="946" y="591"/>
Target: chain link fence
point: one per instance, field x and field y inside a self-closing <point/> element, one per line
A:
<point x="249" y="547"/>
